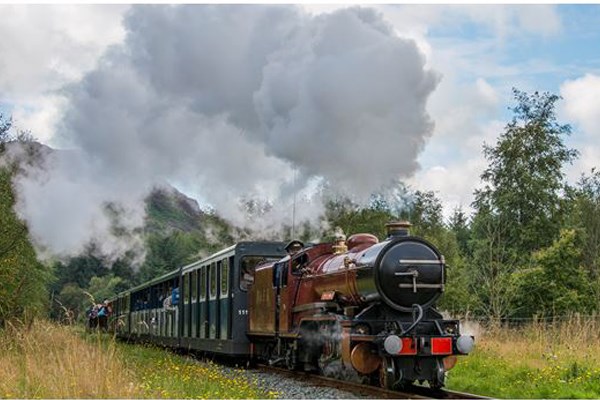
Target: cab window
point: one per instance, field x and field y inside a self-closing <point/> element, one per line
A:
<point x="248" y="265"/>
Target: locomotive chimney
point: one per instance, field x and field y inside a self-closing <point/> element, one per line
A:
<point x="398" y="229"/>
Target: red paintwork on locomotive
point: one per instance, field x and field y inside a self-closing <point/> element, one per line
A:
<point x="324" y="272"/>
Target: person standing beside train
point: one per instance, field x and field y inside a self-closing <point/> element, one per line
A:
<point x="103" y="314"/>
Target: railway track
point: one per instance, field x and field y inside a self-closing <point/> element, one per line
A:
<point x="356" y="389"/>
<point x="367" y="391"/>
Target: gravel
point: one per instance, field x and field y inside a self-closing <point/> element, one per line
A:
<point x="290" y="387"/>
<point x="298" y="388"/>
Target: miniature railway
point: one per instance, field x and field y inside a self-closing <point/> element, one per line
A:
<point x="368" y="391"/>
<point x="358" y="303"/>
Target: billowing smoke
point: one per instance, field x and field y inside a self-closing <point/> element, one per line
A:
<point x="230" y="103"/>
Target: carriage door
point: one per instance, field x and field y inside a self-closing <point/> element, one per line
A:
<point x="194" y="303"/>
<point x="224" y="300"/>
<point x="203" y="301"/>
<point x="213" y="301"/>
<point x="184" y="299"/>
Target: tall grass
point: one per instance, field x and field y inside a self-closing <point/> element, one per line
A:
<point x="557" y="358"/>
<point x="44" y="360"/>
<point x="540" y="359"/>
<point x="163" y="374"/>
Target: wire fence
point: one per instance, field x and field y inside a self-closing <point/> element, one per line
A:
<point x="569" y="330"/>
<point x="565" y="317"/>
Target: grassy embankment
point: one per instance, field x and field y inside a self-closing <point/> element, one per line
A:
<point x="561" y="360"/>
<point x="49" y="361"/>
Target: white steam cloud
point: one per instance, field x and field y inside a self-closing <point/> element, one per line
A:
<point x="229" y="101"/>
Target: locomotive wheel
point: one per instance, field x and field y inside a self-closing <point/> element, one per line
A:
<point x="387" y="373"/>
<point x="440" y="376"/>
<point x="291" y="361"/>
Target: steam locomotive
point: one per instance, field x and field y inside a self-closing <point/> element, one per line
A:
<point x="355" y="309"/>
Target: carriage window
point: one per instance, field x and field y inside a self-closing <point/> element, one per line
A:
<point x="224" y="277"/>
<point x="155" y="296"/>
<point x="146" y="299"/>
<point x="194" y="283"/>
<point x="248" y="266"/>
<point x="203" y="283"/>
<point x="213" y="280"/>
<point x="164" y="292"/>
<point x="184" y="288"/>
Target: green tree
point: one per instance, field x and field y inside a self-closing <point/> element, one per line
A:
<point x="556" y="283"/>
<point x="459" y="225"/>
<point x="426" y="216"/>
<point x="70" y="303"/>
<point x="584" y="216"/>
<point x="518" y="211"/>
<point x="79" y="270"/>
<point x="491" y="265"/>
<point x="168" y="252"/>
<point x="352" y="218"/>
<point x="104" y="287"/>
<point x="524" y="180"/>
<point x="425" y="212"/>
<point x="23" y="278"/>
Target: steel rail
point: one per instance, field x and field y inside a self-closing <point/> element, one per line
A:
<point x="363" y="390"/>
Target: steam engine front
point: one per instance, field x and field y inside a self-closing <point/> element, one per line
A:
<point x="357" y="310"/>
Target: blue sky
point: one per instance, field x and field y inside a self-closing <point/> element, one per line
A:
<point x="479" y="51"/>
<point x="481" y="57"/>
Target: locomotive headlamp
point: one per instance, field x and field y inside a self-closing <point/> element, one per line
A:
<point x="464" y="344"/>
<point x="392" y="344"/>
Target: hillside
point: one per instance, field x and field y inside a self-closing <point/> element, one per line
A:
<point x="168" y="211"/>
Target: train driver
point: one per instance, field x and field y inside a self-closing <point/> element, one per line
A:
<point x="293" y="247"/>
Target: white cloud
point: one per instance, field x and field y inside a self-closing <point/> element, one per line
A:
<point x="39" y="115"/>
<point x="589" y="157"/>
<point x="486" y="93"/>
<point x="467" y="105"/>
<point x="540" y="19"/>
<point x="44" y="48"/>
<point x="455" y="181"/>
<point x="59" y="44"/>
<point x="230" y="100"/>
<point x="582" y="103"/>
<point x="581" y="106"/>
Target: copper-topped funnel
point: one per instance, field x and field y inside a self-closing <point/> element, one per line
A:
<point x="398" y="229"/>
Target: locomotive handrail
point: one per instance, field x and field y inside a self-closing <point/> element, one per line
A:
<point x="421" y="285"/>
<point x="439" y="262"/>
<point x="313" y="306"/>
<point x="414" y="274"/>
